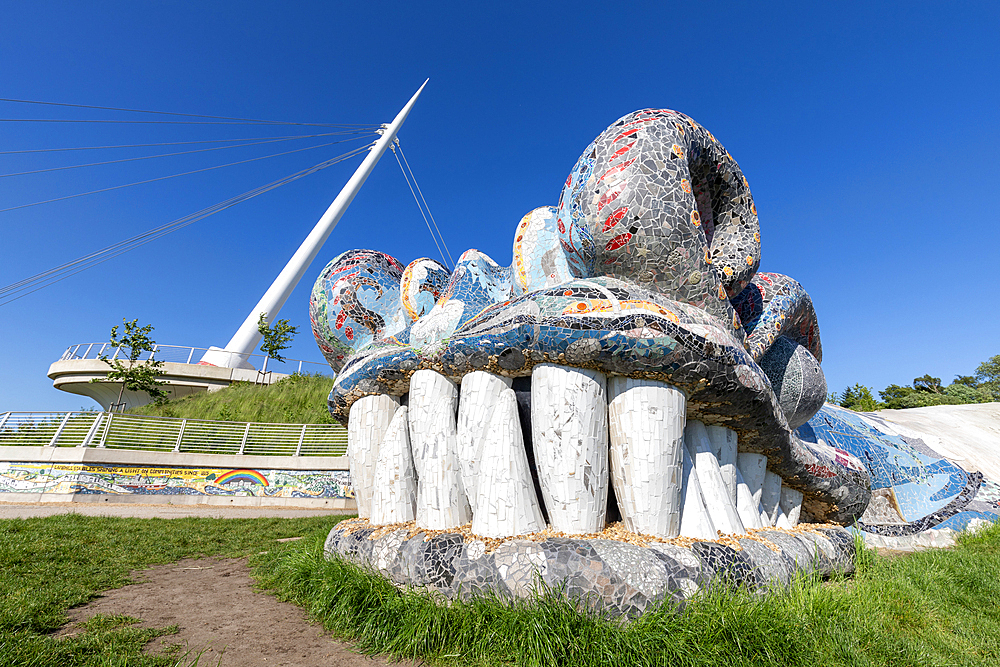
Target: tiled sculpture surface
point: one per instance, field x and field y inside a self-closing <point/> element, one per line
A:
<point x="657" y="377"/>
<point x="614" y="576"/>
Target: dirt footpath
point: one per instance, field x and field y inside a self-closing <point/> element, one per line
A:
<point x="213" y="602"/>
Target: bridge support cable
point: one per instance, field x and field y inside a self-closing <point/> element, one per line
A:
<point x="175" y="143"/>
<point x="231" y="120"/>
<point x="163" y="178"/>
<point x="421" y="209"/>
<point x="22" y="288"/>
<point x="428" y="208"/>
<point x="197" y="150"/>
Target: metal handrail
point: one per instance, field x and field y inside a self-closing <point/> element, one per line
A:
<point x="183" y="354"/>
<point x="169" y="434"/>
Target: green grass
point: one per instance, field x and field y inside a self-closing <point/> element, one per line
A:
<point x="931" y="608"/>
<point x="297" y="399"/>
<point x="49" y="565"/>
<point x="937" y="607"/>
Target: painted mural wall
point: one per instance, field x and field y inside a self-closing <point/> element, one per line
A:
<point x="38" y="477"/>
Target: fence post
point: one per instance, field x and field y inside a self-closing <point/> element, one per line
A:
<point x="246" y="432"/>
<point x="107" y="428"/>
<point x="93" y="430"/>
<point x="300" y="367"/>
<point x="62" y="425"/>
<point x="302" y="436"/>
<point x="85" y="354"/>
<point x="6" y="416"/>
<point x="190" y="355"/>
<point x="180" y="435"/>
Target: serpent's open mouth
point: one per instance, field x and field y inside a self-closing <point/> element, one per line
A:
<point x="631" y="345"/>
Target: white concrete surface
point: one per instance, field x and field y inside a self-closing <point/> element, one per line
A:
<point x="135" y="457"/>
<point x="14" y="505"/>
<point x="967" y="435"/>
<point x="75" y="375"/>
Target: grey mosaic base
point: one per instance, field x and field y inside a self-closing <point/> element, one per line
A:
<point x="620" y="578"/>
<point x="940" y="538"/>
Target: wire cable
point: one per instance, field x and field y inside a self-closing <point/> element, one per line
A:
<point x="163" y="178"/>
<point x="173" y="143"/>
<point x="22" y="288"/>
<point x="150" y="157"/>
<point x="164" y="122"/>
<point x="419" y="208"/>
<point x="189" y="115"/>
<point x="425" y="201"/>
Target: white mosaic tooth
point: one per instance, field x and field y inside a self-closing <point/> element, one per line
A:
<point x="506" y="494"/>
<point x="569" y="424"/>
<point x="366" y="427"/>
<point x="481" y="393"/>
<point x="791" y="504"/>
<point x="745" y="505"/>
<point x="394" y="487"/>
<point x="724" y="441"/>
<point x="695" y="519"/>
<point x="441" y="497"/>
<point x="770" y="495"/>
<point x="782" y="521"/>
<point x="753" y="468"/>
<point x="646" y="419"/>
<point x="720" y="506"/>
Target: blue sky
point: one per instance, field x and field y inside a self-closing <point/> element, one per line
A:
<point x="868" y="135"/>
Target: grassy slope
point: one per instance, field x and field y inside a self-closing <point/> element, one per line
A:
<point x="931" y="608"/>
<point x="298" y="399"/>
<point x="939" y="607"/>
<point x="49" y="565"/>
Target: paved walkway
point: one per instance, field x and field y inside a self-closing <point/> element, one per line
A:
<point x="151" y="511"/>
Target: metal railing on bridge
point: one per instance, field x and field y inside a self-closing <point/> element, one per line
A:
<point x="116" y="430"/>
<point x="189" y="355"/>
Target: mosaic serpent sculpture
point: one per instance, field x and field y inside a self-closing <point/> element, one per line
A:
<point x="639" y="291"/>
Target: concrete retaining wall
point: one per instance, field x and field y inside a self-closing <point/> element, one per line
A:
<point x="79" y="474"/>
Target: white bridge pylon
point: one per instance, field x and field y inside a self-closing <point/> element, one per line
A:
<point x="243" y="342"/>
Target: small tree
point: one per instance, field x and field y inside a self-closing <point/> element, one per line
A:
<point x="927" y="383"/>
<point x="275" y="338"/>
<point x="134" y="375"/>
<point x="967" y="380"/>
<point x="988" y="374"/>
<point x="859" y="398"/>
<point x="895" y="396"/>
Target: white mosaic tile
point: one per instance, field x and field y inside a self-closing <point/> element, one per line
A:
<point x="441" y="499"/>
<point x="368" y="423"/>
<point x="506" y="503"/>
<point x="569" y="420"/>
<point x="646" y="421"/>
<point x="480" y="395"/>
<point x="394" y="488"/>
<point x="720" y="506"/>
